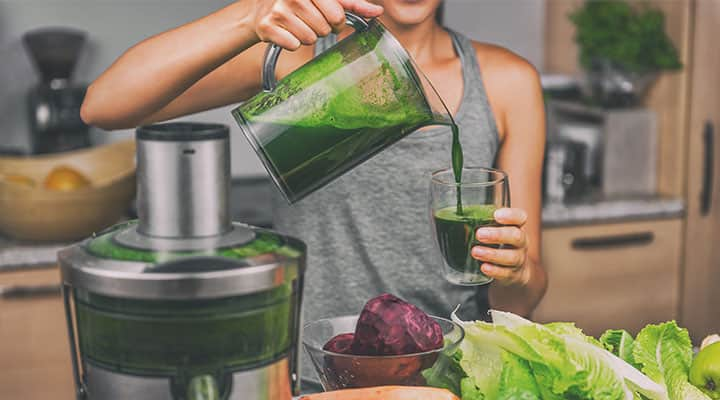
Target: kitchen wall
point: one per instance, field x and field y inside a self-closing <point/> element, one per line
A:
<point x="114" y="25"/>
<point x="515" y="24"/>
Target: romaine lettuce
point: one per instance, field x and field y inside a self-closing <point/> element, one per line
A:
<point x="664" y="353"/>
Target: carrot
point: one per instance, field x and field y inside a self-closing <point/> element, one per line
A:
<point x="385" y="393"/>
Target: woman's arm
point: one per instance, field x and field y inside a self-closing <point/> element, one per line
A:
<point x="516" y="97"/>
<point x="199" y="65"/>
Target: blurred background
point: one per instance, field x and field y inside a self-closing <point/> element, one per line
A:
<point x="631" y="183"/>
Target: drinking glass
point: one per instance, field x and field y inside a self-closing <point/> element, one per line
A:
<point x="457" y="210"/>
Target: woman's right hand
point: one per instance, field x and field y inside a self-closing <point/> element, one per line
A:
<point x="292" y="23"/>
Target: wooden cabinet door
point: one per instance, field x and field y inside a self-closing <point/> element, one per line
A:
<point x="612" y="276"/>
<point x="34" y="347"/>
<point x="700" y="308"/>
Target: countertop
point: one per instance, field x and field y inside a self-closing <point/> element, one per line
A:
<point x="252" y="197"/>
<point x="599" y="211"/>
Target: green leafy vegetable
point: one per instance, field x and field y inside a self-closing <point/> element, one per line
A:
<point x="517" y="380"/>
<point x="620" y="343"/>
<point x="514" y="358"/>
<point x="664" y="353"/>
<point x="446" y="373"/>
<point x="585" y="369"/>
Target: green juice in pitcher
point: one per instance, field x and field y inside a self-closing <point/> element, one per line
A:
<point x="338" y="110"/>
<point x="456" y="234"/>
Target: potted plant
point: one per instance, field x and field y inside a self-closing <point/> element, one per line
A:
<point x="622" y="49"/>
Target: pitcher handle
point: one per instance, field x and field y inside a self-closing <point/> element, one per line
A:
<point x="273" y="52"/>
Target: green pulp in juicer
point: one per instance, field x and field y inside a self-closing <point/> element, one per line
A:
<point x="456" y="234"/>
<point x="265" y="242"/>
<point x="185" y="337"/>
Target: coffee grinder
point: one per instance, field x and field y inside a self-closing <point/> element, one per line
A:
<point x="184" y="304"/>
<point x="54" y="103"/>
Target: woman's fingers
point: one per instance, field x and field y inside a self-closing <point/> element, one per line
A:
<point x="510" y="216"/>
<point x="505" y="257"/>
<point x="299" y="29"/>
<point x="362" y="8"/>
<point x="333" y="13"/>
<point x="305" y="20"/>
<point x="310" y="15"/>
<point x="509" y="235"/>
<point x="504" y="275"/>
<point x="270" y="32"/>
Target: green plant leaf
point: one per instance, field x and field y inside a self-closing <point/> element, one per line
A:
<point x="664" y="352"/>
<point x="633" y="39"/>
<point x="620" y="343"/>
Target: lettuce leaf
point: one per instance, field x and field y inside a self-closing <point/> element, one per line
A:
<point x="470" y="391"/>
<point x="620" y="343"/>
<point x="483" y="363"/>
<point x="569" y="329"/>
<point x="495" y="373"/>
<point x="516" y="380"/>
<point x="446" y="373"/>
<point x="514" y="358"/>
<point x="562" y="361"/>
<point x="597" y="374"/>
<point x="664" y="353"/>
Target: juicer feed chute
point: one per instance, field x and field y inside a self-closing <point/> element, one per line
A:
<point x="184" y="304"/>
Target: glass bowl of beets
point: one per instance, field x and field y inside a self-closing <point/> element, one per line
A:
<point x="391" y="342"/>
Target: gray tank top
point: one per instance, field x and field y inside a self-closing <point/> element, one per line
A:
<point x="368" y="232"/>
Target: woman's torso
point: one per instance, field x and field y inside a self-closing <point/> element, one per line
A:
<point x="368" y="232"/>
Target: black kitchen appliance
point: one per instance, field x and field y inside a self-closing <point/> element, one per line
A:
<point x="54" y="102"/>
<point x="564" y="179"/>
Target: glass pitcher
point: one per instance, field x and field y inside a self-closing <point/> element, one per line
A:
<point x="338" y="110"/>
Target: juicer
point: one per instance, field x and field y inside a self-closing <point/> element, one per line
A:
<point x="184" y="304"/>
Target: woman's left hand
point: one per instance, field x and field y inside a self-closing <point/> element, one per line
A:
<point x="506" y="265"/>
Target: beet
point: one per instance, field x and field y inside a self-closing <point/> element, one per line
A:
<point x="391" y="326"/>
<point x="340" y="343"/>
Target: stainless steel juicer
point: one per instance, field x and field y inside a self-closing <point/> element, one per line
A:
<point x="184" y="304"/>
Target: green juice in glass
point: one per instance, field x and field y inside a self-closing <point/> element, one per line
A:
<point x="456" y="234"/>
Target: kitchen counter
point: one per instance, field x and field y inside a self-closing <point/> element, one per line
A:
<point x="16" y="255"/>
<point x="598" y="211"/>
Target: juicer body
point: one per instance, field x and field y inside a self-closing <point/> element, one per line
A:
<point x="184" y="304"/>
<point x="105" y="367"/>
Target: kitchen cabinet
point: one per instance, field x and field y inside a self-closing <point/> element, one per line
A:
<point x="623" y="275"/>
<point x="700" y="308"/>
<point x="687" y="103"/>
<point x="34" y="350"/>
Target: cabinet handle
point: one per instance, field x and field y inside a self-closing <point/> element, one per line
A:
<point x="25" y="292"/>
<point x="615" y="241"/>
<point x="708" y="168"/>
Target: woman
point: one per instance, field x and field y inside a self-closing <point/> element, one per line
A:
<point x="367" y="232"/>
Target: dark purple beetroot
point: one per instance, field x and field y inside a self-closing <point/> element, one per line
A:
<point x="340" y="343"/>
<point x="391" y="326"/>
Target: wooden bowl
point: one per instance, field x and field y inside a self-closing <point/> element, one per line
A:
<point x="35" y="213"/>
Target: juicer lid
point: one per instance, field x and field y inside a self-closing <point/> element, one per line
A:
<point x="104" y="265"/>
<point x="184" y="245"/>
